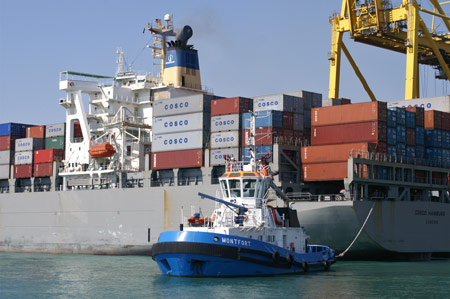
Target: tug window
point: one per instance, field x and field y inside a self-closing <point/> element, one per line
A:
<point x="235" y="188"/>
<point x="224" y="188"/>
<point x="249" y="187"/>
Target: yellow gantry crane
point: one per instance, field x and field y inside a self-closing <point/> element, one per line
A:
<point x="401" y="29"/>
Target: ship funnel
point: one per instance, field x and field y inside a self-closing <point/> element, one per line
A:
<point x="183" y="36"/>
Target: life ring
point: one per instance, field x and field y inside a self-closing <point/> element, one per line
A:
<point x="275" y="256"/>
<point x="70" y="83"/>
<point x="245" y="217"/>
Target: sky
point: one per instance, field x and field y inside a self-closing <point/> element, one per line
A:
<point x="246" y="48"/>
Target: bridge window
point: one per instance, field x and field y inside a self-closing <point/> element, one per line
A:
<point x="249" y="187"/>
<point x="235" y="188"/>
<point x="224" y="187"/>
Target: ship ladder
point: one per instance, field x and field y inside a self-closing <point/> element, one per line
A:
<point x="357" y="235"/>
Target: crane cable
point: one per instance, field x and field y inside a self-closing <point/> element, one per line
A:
<point x="357" y="235"/>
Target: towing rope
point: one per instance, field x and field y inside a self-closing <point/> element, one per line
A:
<point x="357" y="235"/>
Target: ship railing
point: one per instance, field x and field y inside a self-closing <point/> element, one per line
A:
<point x="162" y="182"/>
<point x="306" y="196"/>
<point x="4" y="190"/>
<point x="190" y="180"/>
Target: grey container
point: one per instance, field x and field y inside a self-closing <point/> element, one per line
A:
<point x="299" y="120"/>
<point x="21" y="158"/>
<point x="178" y="141"/>
<point x="29" y="144"/>
<point x="55" y="130"/>
<point x="230" y="122"/>
<point x="279" y="102"/>
<point x="331" y="102"/>
<point x="181" y="123"/>
<point x="441" y="103"/>
<point x="226" y="139"/>
<point x="4" y="172"/>
<point x="6" y="157"/>
<point x="183" y="105"/>
<point x="218" y="155"/>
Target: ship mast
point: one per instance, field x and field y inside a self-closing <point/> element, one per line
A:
<point x="160" y="33"/>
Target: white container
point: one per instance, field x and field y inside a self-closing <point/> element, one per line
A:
<point x="225" y="139"/>
<point x="441" y="103"/>
<point x="183" y="105"/>
<point x="21" y="158"/>
<point x="181" y="123"/>
<point x="299" y="120"/>
<point x="280" y="102"/>
<point x="4" y="172"/>
<point x="177" y="141"/>
<point x="218" y="155"/>
<point x="55" y="130"/>
<point x="230" y="122"/>
<point x="29" y="144"/>
<point x="5" y="157"/>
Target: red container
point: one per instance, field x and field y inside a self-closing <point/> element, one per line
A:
<point x="345" y="101"/>
<point x="335" y="152"/>
<point x="23" y="171"/>
<point x="346" y="114"/>
<point x="47" y="155"/>
<point x="349" y="133"/>
<point x="433" y="119"/>
<point x="35" y="132"/>
<point x="327" y="171"/>
<point x="410" y="136"/>
<point x="445" y="121"/>
<point x="235" y="105"/>
<point x="264" y="136"/>
<point x="420" y="115"/>
<point x="43" y="169"/>
<point x="7" y="142"/>
<point x="288" y="120"/>
<point x="177" y="159"/>
<point x="381" y="148"/>
<point x="420" y="176"/>
<point x="77" y="130"/>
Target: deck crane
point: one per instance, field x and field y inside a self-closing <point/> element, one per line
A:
<point x="401" y="29"/>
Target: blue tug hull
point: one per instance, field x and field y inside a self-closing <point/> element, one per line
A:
<point x="205" y="254"/>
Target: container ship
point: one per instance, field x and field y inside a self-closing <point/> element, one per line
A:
<point x="130" y="165"/>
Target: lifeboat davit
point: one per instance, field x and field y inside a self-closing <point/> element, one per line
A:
<point x="103" y="150"/>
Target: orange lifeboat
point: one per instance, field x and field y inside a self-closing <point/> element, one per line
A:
<point x="103" y="150"/>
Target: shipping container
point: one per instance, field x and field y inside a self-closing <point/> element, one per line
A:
<point x="392" y="118"/>
<point x="229" y="122"/>
<point x="264" y="119"/>
<point x="445" y="139"/>
<point x="420" y="151"/>
<point x="410" y="151"/>
<point x="261" y="151"/>
<point x="401" y="150"/>
<point x="401" y="134"/>
<point x="432" y="119"/>
<point x="264" y="136"/>
<point x="218" y="155"/>
<point x="13" y="129"/>
<point x="177" y="159"/>
<point x="181" y="123"/>
<point x="48" y="155"/>
<point x="5" y="171"/>
<point x="183" y="105"/>
<point x="237" y="105"/>
<point x="391" y="150"/>
<point x="420" y="136"/>
<point x="6" y="157"/>
<point x="420" y="115"/>
<point x="43" y="169"/>
<point x="288" y="119"/>
<point x="381" y="147"/>
<point x="445" y="121"/>
<point x="410" y="119"/>
<point x="346" y="114"/>
<point x="21" y="158"/>
<point x="279" y="102"/>
<point x="331" y="102"/>
<point x="410" y="136"/>
<point x="29" y="144"/>
<point x="446" y="156"/>
<point x="178" y="141"/>
<point x="441" y="103"/>
<point x="433" y="138"/>
<point x="307" y="121"/>
<point x="35" y="132"/>
<point x="433" y="154"/>
<point x="55" y="130"/>
<point x="400" y="115"/>
<point x="335" y="152"/>
<point x="55" y="142"/>
<point x="391" y="136"/>
<point x="325" y="171"/>
<point x="7" y="142"/>
<point x="349" y="133"/>
<point x="23" y="171"/>
<point x="299" y="121"/>
<point x="311" y="99"/>
<point x="225" y="139"/>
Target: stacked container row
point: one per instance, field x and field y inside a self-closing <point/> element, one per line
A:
<point x="9" y="134"/>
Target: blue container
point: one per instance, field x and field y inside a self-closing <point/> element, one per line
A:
<point x="433" y="138"/>
<point x="13" y="129"/>
<point x="420" y="136"/>
<point x="446" y="156"/>
<point x="420" y="151"/>
<point x="391" y="150"/>
<point x="382" y="173"/>
<point x="410" y="151"/>
<point x="445" y="139"/>
<point x="391" y="118"/>
<point x="401" y="115"/>
<point x="401" y="134"/>
<point x="433" y="154"/>
<point x="264" y="119"/>
<point x="260" y="152"/>
<point x="410" y="119"/>
<point x="391" y="136"/>
<point x="401" y="150"/>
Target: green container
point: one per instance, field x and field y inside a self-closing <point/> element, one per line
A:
<point x="55" y="142"/>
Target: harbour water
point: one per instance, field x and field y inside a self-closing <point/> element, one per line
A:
<point x="86" y="276"/>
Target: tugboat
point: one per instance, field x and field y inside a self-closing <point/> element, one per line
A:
<point x="245" y="236"/>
